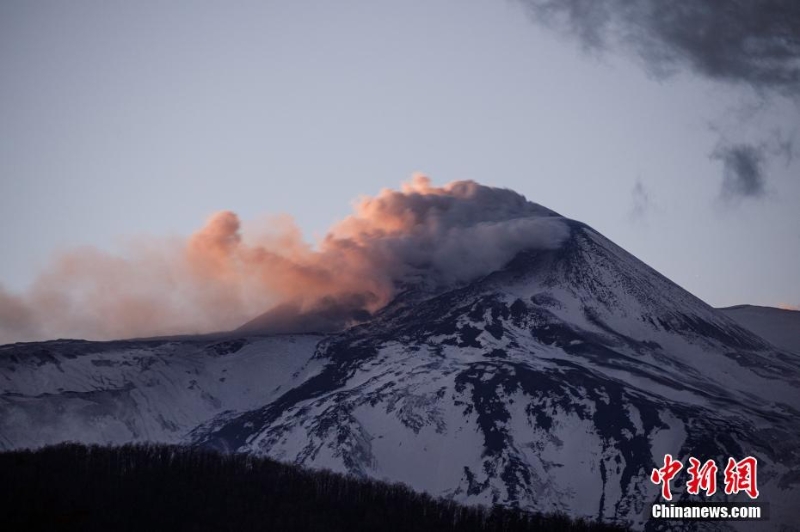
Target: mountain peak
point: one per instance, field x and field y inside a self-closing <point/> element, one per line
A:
<point x="555" y="381"/>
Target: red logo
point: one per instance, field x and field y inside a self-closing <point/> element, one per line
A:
<point x="702" y="478"/>
<point x="739" y="476"/>
<point x="665" y="474"/>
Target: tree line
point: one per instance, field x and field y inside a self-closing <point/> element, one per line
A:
<point x="167" y="487"/>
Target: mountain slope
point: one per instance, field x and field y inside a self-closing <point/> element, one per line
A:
<point x="554" y="384"/>
<point x="780" y="327"/>
<point x="133" y="391"/>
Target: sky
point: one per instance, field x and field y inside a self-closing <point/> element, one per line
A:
<point x="124" y="120"/>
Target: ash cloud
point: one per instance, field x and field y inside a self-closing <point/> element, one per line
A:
<point x="220" y="278"/>
<point x="756" y="42"/>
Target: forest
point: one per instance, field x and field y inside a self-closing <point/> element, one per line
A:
<point x="167" y="487"/>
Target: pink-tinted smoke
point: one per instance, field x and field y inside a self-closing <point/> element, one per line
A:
<point x="217" y="280"/>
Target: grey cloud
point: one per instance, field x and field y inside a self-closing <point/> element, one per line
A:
<point x="750" y="41"/>
<point x="784" y="146"/>
<point x="743" y="172"/>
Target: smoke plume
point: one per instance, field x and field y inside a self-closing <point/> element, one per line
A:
<point x="217" y="279"/>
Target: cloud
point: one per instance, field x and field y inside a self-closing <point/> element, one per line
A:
<point x="749" y="43"/>
<point x="640" y="201"/>
<point x="756" y="42"/>
<point x="787" y="306"/>
<point x="220" y="278"/>
<point x="784" y="146"/>
<point x="742" y="170"/>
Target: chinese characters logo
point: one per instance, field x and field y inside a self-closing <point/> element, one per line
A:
<point x="739" y="476"/>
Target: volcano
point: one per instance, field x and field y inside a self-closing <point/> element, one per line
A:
<point x="556" y="382"/>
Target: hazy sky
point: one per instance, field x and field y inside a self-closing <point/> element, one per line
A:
<point x="121" y="119"/>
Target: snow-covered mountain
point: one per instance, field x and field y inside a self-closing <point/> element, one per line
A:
<point x="555" y="383"/>
<point x="781" y="327"/>
<point x="142" y="390"/>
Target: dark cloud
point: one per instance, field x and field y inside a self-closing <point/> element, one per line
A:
<point x="750" y="41"/>
<point x="746" y="42"/>
<point x="743" y="172"/>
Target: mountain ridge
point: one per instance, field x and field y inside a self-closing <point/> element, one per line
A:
<point x="781" y="327"/>
<point x="553" y="384"/>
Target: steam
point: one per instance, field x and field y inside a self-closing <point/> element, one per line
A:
<point x="218" y="280"/>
